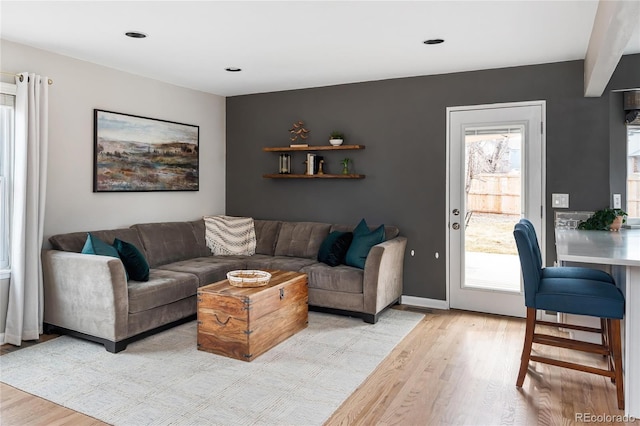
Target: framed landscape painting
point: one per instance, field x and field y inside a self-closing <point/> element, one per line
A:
<point x="136" y="154"/>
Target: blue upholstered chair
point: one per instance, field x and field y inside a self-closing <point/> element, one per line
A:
<point x="573" y="291"/>
<point x="564" y="271"/>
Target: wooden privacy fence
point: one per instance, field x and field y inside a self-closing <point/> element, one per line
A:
<point x="500" y="193"/>
<point x="495" y="193"/>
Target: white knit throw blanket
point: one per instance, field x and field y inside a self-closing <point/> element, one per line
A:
<point x="228" y="235"/>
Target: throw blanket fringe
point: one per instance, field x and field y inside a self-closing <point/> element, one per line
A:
<point x="229" y="235"/>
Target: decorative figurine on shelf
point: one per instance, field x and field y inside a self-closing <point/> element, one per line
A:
<point x="345" y="166"/>
<point x="298" y="131"/>
<point x="320" y="171"/>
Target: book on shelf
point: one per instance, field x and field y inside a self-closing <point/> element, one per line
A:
<point x="299" y="145"/>
<point x="310" y="163"/>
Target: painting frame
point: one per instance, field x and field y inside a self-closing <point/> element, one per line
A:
<point x="132" y="153"/>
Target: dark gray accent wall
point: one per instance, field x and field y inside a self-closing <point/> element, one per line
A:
<point x="617" y="147"/>
<point x="402" y="122"/>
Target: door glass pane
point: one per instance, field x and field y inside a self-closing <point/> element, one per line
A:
<point x="493" y="197"/>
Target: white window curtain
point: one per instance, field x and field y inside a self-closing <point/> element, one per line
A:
<point x="25" y="308"/>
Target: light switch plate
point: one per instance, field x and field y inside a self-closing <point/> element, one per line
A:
<point x="560" y="201"/>
<point x="617" y="201"/>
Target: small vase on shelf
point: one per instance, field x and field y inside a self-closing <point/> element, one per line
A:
<point x="345" y="166"/>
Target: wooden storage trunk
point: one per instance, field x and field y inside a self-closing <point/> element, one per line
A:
<point x="243" y="323"/>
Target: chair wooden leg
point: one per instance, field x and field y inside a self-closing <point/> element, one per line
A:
<point x="606" y="342"/>
<point x="526" y="349"/>
<point x="613" y="326"/>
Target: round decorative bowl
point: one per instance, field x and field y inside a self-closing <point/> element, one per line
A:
<point x="248" y="278"/>
<point x="335" y="142"/>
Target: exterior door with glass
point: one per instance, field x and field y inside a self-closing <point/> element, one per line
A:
<point x="496" y="176"/>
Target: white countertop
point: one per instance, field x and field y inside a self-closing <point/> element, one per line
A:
<point x="613" y="248"/>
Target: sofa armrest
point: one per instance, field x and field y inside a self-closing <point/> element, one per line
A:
<point x="383" y="274"/>
<point x="85" y="293"/>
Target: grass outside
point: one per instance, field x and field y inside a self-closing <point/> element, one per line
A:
<point x="491" y="233"/>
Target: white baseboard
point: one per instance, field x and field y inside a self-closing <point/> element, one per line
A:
<point x="423" y="302"/>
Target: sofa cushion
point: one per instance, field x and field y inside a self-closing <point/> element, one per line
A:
<point x="340" y="278"/>
<point x="168" y="242"/>
<point x="162" y="288"/>
<point x="134" y="262"/>
<point x="266" y="235"/>
<point x="74" y="241"/>
<point x="283" y="263"/>
<point x="363" y="240"/>
<point x="301" y="239"/>
<point x="208" y="269"/>
<point x="334" y="248"/>
<point x="199" y="232"/>
<point x="389" y="230"/>
<point x="336" y="299"/>
<point x="257" y="261"/>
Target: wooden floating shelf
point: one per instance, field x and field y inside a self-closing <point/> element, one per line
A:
<point x="311" y="148"/>
<point x="324" y="176"/>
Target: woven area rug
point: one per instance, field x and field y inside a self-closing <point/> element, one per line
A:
<point x="164" y="379"/>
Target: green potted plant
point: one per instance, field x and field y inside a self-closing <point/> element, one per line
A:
<point x="345" y="166"/>
<point x="336" y="138"/>
<point x="606" y="219"/>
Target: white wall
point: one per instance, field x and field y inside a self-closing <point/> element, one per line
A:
<point x="78" y="88"/>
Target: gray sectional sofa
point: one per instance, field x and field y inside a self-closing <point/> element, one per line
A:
<point x="89" y="296"/>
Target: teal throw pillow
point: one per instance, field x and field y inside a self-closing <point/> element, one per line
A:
<point x="334" y="248"/>
<point x="363" y="240"/>
<point x="134" y="262"/>
<point x="95" y="245"/>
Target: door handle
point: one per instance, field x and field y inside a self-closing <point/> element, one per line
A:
<point x="455" y="226"/>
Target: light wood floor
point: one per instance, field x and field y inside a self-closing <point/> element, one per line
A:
<point x="454" y="368"/>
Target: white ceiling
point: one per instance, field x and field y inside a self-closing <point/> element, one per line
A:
<point x="299" y="44"/>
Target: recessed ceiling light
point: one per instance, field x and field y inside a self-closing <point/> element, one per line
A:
<point x="135" y="34"/>
<point x="434" y="41"/>
<point x="233" y="69"/>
